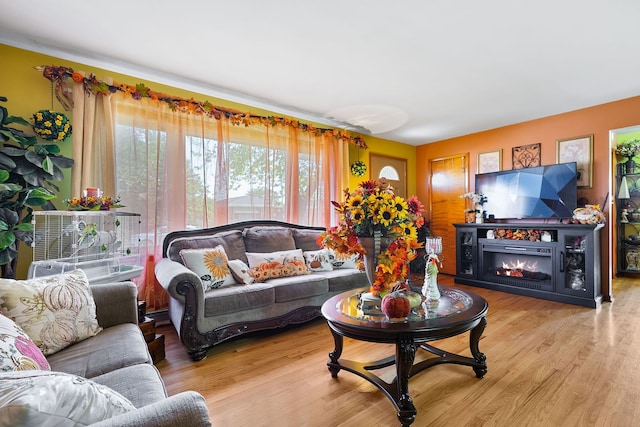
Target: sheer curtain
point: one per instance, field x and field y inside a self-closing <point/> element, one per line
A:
<point x="184" y="171"/>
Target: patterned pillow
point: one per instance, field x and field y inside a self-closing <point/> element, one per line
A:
<point x="17" y="351"/>
<point x="210" y="265"/>
<point x="272" y="265"/>
<point x="240" y="271"/>
<point x="55" y="311"/>
<point x="39" y="398"/>
<point x="318" y="260"/>
<point x="343" y="260"/>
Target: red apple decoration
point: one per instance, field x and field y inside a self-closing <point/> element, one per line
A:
<point x="395" y="305"/>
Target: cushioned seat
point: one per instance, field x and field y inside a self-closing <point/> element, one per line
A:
<point x="115" y="347"/>
<point x="234" y="298"/>
<point x="299" y="287"/>
<point x="142" y="384"/>
<point x="341" y="280"/>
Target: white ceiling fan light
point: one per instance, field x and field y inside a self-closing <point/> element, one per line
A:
<point x="375" y="118"/>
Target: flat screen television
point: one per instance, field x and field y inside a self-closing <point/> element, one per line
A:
<point x="540" y="192"/>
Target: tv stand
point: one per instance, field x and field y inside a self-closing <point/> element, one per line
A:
<point x="558" y="262"/>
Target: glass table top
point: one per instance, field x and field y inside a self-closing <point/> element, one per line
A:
<point x="452" y="302"/>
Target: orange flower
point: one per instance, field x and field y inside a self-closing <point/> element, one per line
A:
<point x="77" y="77"/>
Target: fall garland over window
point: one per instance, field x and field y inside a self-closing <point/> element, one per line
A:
<point x="60" y="75"/>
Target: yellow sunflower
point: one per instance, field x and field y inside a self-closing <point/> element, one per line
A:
<point x="216" y="262"/>
<point x="355" y="201"/>
<point x="400" y="206"/>
<point x="385" y="215"/>
<point x="410" y="231"/>
<point x="357" y="215"/>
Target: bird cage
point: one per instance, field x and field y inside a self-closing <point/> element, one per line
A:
<point x="104" y="244"/>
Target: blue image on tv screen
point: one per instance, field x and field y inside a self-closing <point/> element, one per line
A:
<point x="540" y="192"/>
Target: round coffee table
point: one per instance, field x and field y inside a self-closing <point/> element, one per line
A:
<point x="457" y="312"/>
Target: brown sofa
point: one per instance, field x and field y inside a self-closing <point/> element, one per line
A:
<point x="205" y="318"/>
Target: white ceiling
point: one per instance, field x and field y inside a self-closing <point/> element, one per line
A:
<point x="414" y="71"/>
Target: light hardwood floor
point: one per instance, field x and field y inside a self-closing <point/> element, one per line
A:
<point x="549" y="364"/>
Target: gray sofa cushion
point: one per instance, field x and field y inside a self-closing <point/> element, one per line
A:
<point x="141" y="384"/>
<point x="233" y="298"/>
<point x="231" y="241"/>
<point x="307" y="240"/>
<point x="115" y="347"/>
<point x="341" y="280"/>
<point x="299" y="287"/>
<point x="268" y="239"/>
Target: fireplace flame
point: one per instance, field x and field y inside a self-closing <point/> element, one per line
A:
<point x="520" y="265"/>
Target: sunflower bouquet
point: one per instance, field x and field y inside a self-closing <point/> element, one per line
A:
<point x="374" y="209"/>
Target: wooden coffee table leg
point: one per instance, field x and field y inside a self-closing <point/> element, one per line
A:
<point x="479" y="357"/>
<point x="333" y="365"/>
<point x="405" y="355"/>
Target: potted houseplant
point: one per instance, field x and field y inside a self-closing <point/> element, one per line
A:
<point x="629" y="149"/>
<point x="28" y="170"/>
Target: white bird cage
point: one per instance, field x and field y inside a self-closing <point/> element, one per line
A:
<point x="104" y="244"/>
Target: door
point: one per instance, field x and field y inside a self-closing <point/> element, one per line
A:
<point x="448" y="179"/>
<point x="393" y="169"/>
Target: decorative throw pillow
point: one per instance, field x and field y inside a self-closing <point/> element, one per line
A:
<point x="17" y="351"/>
<point x="38" y="398"/>
<point x="343" y="260"/>
<point x="55" y="311"/>
<point x="240" y="271"/>
<point x="276" y="264"/>
<point x="210" y="265"/>
<point x="318" y="260"/>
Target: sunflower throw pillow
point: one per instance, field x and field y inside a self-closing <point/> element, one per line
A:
<point x="211" y="265"/>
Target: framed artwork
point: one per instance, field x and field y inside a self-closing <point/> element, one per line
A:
<point x="580" y="150"/>
<point x="490" y="161"/>
<point x="526" y="156"/>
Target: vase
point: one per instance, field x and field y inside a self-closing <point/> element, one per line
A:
<point x="373" y="247"/>
<point x="630" y="165"/>
<point x="479" y="218"/>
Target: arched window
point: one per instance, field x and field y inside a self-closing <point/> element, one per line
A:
<point x="389" y="172"/>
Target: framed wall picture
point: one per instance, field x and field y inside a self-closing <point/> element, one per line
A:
<point x="580" y="150"/>
<point x="526" y="156"/>
<point x="490" y="161"/>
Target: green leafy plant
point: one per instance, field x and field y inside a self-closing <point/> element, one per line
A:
<point x="28" y="170"/>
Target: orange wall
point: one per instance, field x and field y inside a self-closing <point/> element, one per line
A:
<point x="597" y="120"/>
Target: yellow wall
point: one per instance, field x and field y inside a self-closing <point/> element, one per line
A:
<point x="28" y="91"/>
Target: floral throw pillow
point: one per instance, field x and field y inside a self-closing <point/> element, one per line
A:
<point x="54" y="311"/>
<point x="211" y="265"/>
<point x="273" y="265"/>
<point x="17" y="351"/>
<point x="44" y="398"/>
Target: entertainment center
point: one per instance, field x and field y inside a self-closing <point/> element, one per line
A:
<point x="529" y="248"/>
<point x="558" y="262"/>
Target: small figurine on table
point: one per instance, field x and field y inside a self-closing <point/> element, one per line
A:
<point x="625" y="216"/>
<point x="430" y="288"/>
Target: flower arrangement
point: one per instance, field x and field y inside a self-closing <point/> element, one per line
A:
<point x="373" y="208"/>
<point x="358" y="168"/>
<point x="50" y="125"/>
<point x="478" y="200"/>
<point x="93" y="203"/>
<point x="628" y="148"/>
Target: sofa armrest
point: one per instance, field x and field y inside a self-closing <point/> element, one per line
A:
<point x="116" y="303"/>
<point x="171" y="274"/>
<point x="183" y="409"/>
